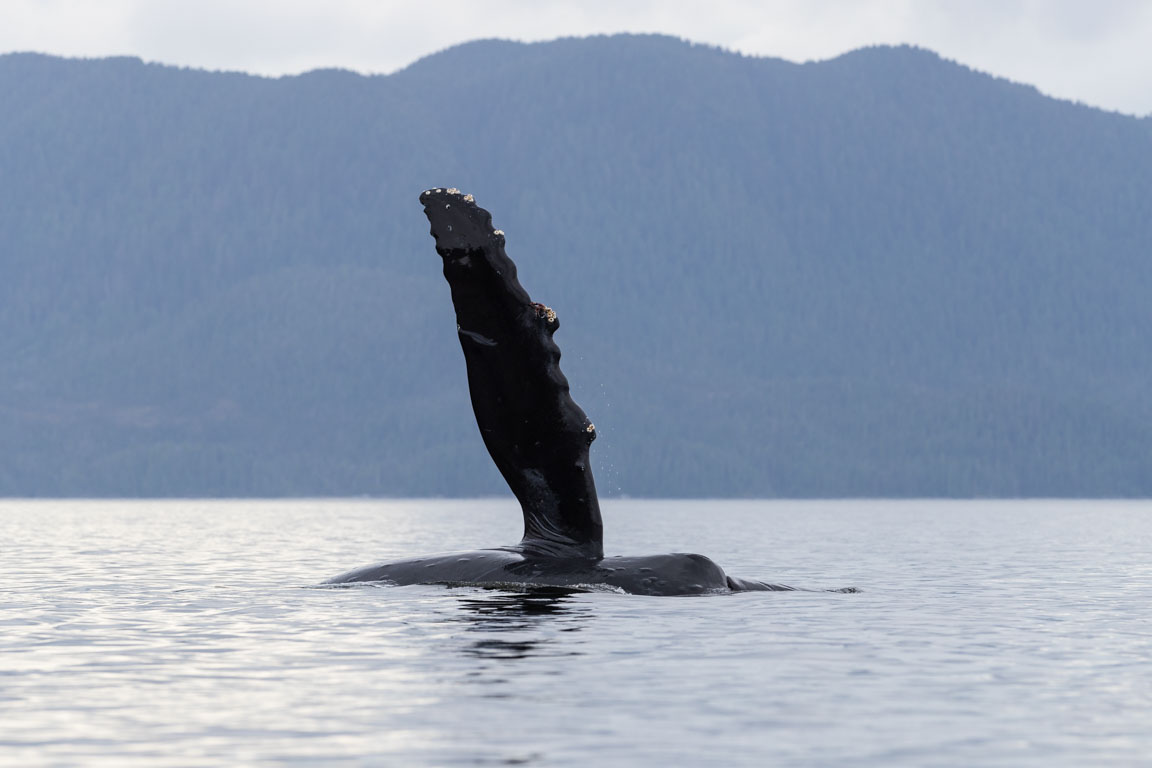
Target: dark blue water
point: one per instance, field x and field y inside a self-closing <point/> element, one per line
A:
<point x="190" y="633"/>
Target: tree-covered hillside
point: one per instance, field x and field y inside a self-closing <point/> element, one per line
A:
<point x="884" y="274"/>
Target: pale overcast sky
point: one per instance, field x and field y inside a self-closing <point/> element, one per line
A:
<point x="1095" y="51"/>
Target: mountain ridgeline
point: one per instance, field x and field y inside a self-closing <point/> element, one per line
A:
<point x="880" y="275"/>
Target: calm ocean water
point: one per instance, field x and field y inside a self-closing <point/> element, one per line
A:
<point x="191" y="633"/>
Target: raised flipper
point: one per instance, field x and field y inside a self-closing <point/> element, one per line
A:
<point x="535" y="433"/>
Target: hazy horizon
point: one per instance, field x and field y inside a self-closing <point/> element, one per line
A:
<point x="203" y="317"/>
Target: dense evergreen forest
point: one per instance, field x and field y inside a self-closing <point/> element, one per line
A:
<point x="880" y="275"/>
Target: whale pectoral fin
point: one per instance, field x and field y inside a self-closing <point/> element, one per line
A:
<point x="536" y="434"/>
<point x="750" y="585"/>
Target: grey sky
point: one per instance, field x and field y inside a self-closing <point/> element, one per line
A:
<point x="1095" y="51"/>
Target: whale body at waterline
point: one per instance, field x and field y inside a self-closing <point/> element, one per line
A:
<point x="670" y="574"/>
<point x="537" y="435"/>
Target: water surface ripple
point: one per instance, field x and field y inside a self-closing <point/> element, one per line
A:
<point x="188" y="633"/>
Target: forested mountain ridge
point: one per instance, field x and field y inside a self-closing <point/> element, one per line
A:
<point x="883" y="274"/>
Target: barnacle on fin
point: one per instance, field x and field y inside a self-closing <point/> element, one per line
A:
<point x="545" y="312"/>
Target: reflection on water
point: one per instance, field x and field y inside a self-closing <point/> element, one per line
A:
<point x="520" y="625"/>
<point x="180" y="634"/>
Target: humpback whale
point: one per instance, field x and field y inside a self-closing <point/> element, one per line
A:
<point x="535" y="433"/>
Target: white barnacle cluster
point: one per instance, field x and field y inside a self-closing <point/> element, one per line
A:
<point x="453" y="191"/>
<point x="498" y="232"/>
<point x="591" y="428"/>
<point x="469" y="199"/>
<point x="550" y="314"/>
